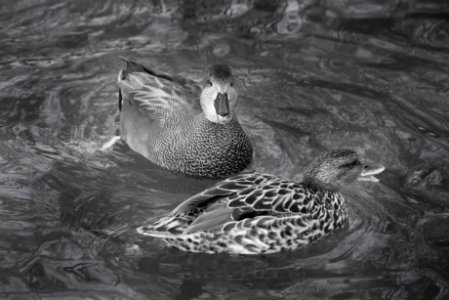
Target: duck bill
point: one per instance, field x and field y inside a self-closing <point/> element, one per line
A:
<point x="222" y="105"/>
<point x="368" y="173"/>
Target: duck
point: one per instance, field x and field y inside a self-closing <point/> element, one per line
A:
<point x="181" y="125"/>
<point x="258" y="213"/>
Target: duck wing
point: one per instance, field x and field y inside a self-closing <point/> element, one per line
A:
<point x="240" y="198"/>
<point x="160" y="95"/>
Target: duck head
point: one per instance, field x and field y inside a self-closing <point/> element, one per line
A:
<point x="338" y="168"/>
<point x="219" y="97"/>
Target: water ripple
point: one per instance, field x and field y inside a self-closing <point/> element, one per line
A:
<point x="312" y="75"/>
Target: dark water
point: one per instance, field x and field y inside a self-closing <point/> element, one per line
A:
<point x="369" y="75"/>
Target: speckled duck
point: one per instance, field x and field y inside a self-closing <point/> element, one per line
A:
<point x="162" y="119"/>
<point x="260" y="213"/>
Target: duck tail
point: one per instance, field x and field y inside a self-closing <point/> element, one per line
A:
<point x="166" y="225"/>
<point x="110" y="143"/>
<point x="133" y="77"/>
<point x="151" y="231"/>
<point x="134" y="67"/>
<point x="129" y="79"/>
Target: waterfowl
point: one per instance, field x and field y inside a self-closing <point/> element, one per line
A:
<point x="162" y="118"/>
<point x="261" y="213"/>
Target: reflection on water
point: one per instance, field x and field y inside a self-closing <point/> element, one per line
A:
<point x="313" y="75"/>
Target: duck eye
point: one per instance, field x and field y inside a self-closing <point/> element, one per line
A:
<point x="351" y="164"/>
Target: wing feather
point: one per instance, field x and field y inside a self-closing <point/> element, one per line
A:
<point x="241" y="198"/>
<point x="159" y="95"/>
<point x="211" y="219"/>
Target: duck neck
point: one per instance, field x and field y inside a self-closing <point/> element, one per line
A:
<point x="329" y="197"/>
<point x="318" y="185"/>
<point x="207" y="123"/>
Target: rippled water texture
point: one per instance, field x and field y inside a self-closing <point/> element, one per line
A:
<point x="313" y="75"/>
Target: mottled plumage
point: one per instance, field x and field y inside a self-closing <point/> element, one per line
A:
<point x="260" y="213"/>
<point x="173" y="122"/>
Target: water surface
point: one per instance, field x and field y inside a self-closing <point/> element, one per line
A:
<point x="313" y="75"/>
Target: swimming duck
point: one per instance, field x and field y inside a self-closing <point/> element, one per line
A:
<point x="162" y="119"/>
<point x="260" y="213"/>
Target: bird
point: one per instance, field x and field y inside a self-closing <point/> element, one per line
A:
<point x="181" y="125"/>
<point x="259" y="213"/>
